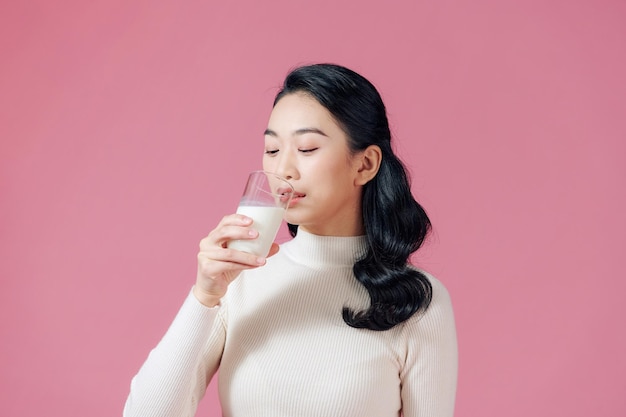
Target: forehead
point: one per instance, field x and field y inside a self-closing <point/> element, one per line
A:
<point x="297" y="110"/>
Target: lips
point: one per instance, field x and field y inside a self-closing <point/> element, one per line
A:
<point x="285" y="193"/>
<point x="296" y="197"/>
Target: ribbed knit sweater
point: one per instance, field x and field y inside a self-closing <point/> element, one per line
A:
<point x="283" y="349"/>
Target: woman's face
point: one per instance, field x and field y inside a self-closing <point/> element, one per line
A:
<point x="305" y="145"/>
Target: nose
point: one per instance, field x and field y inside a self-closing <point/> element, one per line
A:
<point x="286" y="166"/>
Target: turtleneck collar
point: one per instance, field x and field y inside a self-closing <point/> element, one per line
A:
<point x="315" y="250"/>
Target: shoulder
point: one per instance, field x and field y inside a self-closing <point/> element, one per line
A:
<point x="441" y="295"/>
<point x="439" y="313"/>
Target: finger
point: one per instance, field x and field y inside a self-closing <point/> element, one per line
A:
<point x="231" y="256"/>
<point x="235" y="220"/>
<point x="221" y="235"/>
<point x="212" y="269"/>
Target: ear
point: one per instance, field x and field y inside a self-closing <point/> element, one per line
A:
<point x="368" y="164"/>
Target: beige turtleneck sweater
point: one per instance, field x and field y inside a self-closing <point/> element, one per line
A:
<point x="283" y="349"/>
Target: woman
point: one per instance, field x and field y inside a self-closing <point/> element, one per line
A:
<point x="334" y="322"/>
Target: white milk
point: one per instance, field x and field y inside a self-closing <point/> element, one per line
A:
<point x="267" y="222"/>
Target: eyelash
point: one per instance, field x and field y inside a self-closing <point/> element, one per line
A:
<point x="275" y="151"/>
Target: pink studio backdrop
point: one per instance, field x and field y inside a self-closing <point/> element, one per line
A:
<point x="127" y="130"/>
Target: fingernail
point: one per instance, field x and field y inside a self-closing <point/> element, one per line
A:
<point x="260" y="261"/>
<point x="252" y="233"/>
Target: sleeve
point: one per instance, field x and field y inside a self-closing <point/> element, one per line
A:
<point x="429" y="376"/>
<point x="177" y="371"/>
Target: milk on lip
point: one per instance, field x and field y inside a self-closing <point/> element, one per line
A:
<point x="266" y="220"/>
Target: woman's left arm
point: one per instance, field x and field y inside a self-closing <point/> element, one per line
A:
<point x="429" y="377"/>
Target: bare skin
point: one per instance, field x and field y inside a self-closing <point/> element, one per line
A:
<point x="218" y="265"/>
<point x="304" y="144"/>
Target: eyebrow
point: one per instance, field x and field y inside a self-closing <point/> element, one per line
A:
<point x="302" y="131"/>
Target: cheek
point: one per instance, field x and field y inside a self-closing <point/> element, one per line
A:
<point x="267" y="164"/>
<point x="328" y="163"/>
<point x="334" y="168"/>
<point x="333" y="179"/>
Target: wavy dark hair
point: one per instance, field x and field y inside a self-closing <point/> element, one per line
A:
<point x="395" y="224"/>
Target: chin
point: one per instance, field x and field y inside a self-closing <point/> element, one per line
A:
<point x="294" y="219"/>
<point x="291" y="220"/>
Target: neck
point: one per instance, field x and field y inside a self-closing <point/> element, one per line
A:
<point x="311" y="249"/>
<point x="349" y="224"/>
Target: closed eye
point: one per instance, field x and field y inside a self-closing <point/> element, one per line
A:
<point x="308" y="150"/>
<point x="271" y="151"/>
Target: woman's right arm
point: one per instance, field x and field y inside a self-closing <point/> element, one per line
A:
<point x="174" y="377"/>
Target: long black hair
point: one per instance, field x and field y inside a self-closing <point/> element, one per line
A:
<point x="395" y="224"/>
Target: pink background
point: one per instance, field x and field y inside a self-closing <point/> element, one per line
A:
<point x="127" y="130"/>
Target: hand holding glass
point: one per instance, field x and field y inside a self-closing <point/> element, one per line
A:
<point x="265" y="200"/>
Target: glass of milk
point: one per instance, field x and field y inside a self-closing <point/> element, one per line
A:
<point x="265" y="200"/>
